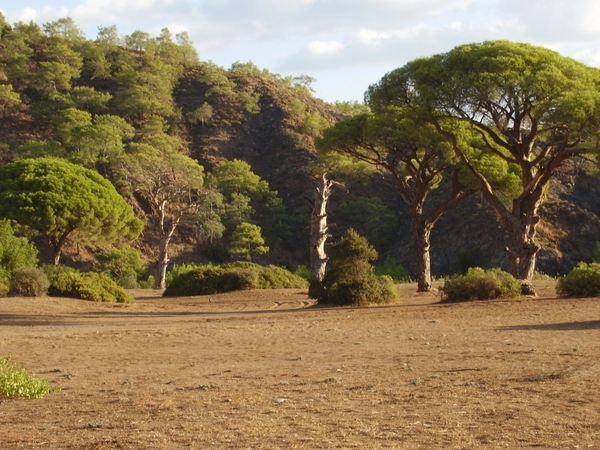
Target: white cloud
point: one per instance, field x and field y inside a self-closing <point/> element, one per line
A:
<point x="324" y="47"/>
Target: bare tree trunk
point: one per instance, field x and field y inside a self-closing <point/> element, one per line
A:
<point x="318" y="226"/>
<point x="422" y="234"/>
<point x="163" y="251"/>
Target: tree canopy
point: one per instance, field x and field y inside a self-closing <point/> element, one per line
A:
<point x="60" y="200"/>
<point x="532" y="109"/>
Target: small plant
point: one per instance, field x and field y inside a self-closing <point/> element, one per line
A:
<point x="147" y="284"/>
<point x="15" y="252"/>
<point x="15" y="382"/>
<point x="352" y="280"/>
<point x="86" y="286"/>
<point x="479" y="284"/>
<point x="304" y="272"/>
<point x="179" y="269"/>
<point x="582" y="281"/>
<point x="124" y="265"/>
<point x="29" y="282"/>
<point x="393" y="269"/>
<point x="241" y="275"/>
<point x="247" y="240"/>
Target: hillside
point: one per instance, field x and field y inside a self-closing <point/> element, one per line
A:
<point x="57" y="88"/>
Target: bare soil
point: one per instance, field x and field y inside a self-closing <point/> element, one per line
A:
<point x="269" y="370"/>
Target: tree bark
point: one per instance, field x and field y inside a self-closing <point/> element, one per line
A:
<point x="422" y="235"/>
<point x="163" y="251"/>
<point x="318" y="226"/>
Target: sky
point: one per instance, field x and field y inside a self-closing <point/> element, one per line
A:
<point x="346" y="45"/>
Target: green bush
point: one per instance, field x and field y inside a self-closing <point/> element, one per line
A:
<point x="241" y="275"/>
<point x="148" y="284"/>
<point x="392" y="268"/>
<point x="15" y="252"/>
<point x="582" y="281"/>
<point x="351" y="280"/>
<point x="479" y="284"/>
<point x="206" y="280"/>
<point x="178" y="269"/>
<point x="29" y="282"/>
<point x="124" y="265"/>
<point x="4" y="288"/>
<point x="15" y="382"/>
<point x="304" y="272"/>
<point x="86" y="286"/>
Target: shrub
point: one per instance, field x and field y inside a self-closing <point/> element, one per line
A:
<point x="148" y="284"/>
<point x="304" y="272"/>
<point x="479" y="284"/>
<point x="4" y="288"/>
<point x="582" y="281"/>
<point x="273" y="277"/>
<point x="178" y="269"/>
<point x="29" y="282"/>
<point x="393" y="269"/>
<point x="206" y="280"/>
<point x="352" y="279"/>
<point x="15" y="252"/>
<point x="241" y="275"/>
<point x="124" y="265"/>
<point x="15" y="382"/>
<point x="87" y="286"/>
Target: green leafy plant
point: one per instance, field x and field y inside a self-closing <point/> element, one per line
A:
<point x="29" y="282"/>
<point x="86" y="286"/>
<point x="124" y="265"/>
<point x="15" y="252"/>
<point x="304" y="271"/>
<point x="352" y="279"/>
<point x="241" y="275"/>
<point x="479" y="284"/>
<point x="582" y="281"/>
<point x="15" y="382"/>
<point x="393" y="269"/>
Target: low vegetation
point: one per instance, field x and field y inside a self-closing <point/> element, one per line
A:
<point x="16" y="382"/>
<point x="65" y="282"/>
<point x="582" y="281"/>
<point x="351" y="280"/>
<point x="479" y="284"/>
<point x="211" y="279"/>
<point x="29" y="282"/>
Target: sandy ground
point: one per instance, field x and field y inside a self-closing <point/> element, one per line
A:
<point x="268" y="370"/>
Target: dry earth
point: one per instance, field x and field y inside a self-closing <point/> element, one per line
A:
<point x="268" y="370"/>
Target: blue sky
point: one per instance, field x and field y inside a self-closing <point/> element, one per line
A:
<point x="345" y="44"/>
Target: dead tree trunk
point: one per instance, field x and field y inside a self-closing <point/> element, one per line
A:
<point x="318" y="226"/>
<point x="166" y="233"/>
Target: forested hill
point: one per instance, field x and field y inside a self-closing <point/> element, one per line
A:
<point x="98" y="102"/>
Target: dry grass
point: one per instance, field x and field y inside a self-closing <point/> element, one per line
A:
<point x="265" y="370"/>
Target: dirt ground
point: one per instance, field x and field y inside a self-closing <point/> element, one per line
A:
<point x="269" y="370"/>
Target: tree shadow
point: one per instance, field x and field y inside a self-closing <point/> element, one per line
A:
<point x="564" y="326"/>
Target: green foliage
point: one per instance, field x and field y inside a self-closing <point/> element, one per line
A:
<point x="304" y="271"/>
<point x="29" y="282"/>
<point x="352" y="108"/>
<point x="596" y="254"/>
<point x="124" y="265"/>
<point x="4" y="287"/>
<point x="582" y="281"/>
<point x="15" y="382"/>
<point x="149" y="283"/>
<point x="177" y="270"/>
<point x="247" y="240"/>
<point x="86" y="286"/>
<point x="479" y="284"/>
<point x="392" y="268"/>
<point x="58" y="200"/>
<point x="206" y="280"/>
<point x="209" y="279"/>
<point x="351" y="280"/>
<point x="15" y="252"/>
